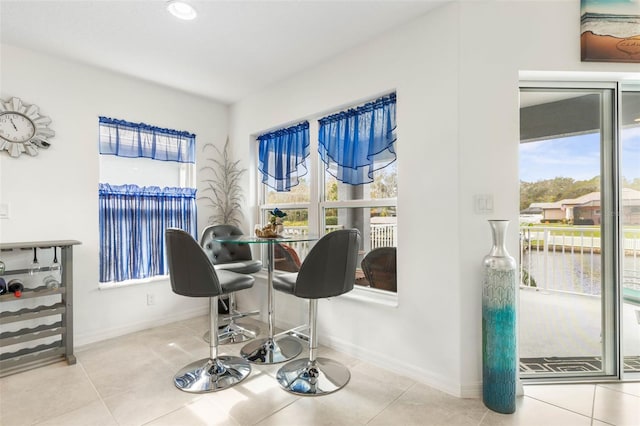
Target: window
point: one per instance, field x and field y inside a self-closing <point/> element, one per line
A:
<point x="147" y="180"/>
<point x="350" y="170"/>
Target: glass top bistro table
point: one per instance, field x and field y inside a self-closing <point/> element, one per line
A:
<point x="269" y="350"/>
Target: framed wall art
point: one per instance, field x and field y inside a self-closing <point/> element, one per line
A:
<point x="610" y="30"/>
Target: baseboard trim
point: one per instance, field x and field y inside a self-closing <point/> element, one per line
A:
<point x="473" y="390"/>
<point x="418" y="373"/>
<point x="415" y="372"/>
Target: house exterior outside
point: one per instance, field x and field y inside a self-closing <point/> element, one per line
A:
<point x="585" y="210"/>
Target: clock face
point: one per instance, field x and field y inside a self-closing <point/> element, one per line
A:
<point x="15" y="127"/>
<point x="22" y="128"/>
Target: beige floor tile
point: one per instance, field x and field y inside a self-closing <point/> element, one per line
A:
<point x="342" y="358"/>
<point x="575" y="397"/>
<point x="423" y="405"/>
<point x="115" y="379"/>
<point x="599" y="423"/>
<point x="94" y="414"/>
<point x="311" y="411"/>
<point x="615" y="407"/>
<point x="113" y="351"/>
<point x="365" y="374"/>
<point x="201" y="412"/>
<point x="142" y="404"/>
<point x="45" y="392"/>
<point x="368" y="392"/>
<point x="632" y="388"/>
<point x="251" y="400"/>
<point x="181" y="350"/>
<point x="132" y="363"/>
<point x="129" y="381"/>
<point x="531" y="412"/>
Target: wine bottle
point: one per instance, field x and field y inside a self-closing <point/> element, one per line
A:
<point x="16" y="287"/>
<point x="3" y="286"/>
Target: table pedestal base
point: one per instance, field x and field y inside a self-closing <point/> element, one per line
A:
<point x="271" y="351"/>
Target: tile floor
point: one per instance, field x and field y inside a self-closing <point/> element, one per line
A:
<point x="128" y="381"/>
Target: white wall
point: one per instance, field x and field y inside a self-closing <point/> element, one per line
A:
<point x="456" y="73"/>
<point x="498" y="40"/>
<point x="54" y="195"/>
<point x="421" y="335"/>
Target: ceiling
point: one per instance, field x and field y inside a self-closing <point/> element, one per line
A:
<point x="232" y="49"/>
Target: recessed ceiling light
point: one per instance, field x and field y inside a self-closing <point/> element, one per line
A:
<point x="181" y="9"/>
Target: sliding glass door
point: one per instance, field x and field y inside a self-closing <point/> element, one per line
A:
<point x="569" y="252"/>
<point x="630" y="220"/>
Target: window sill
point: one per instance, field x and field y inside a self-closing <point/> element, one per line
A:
<point x="129" y="283"/>
<point x="359" y="293"/>
<point x="373" y="296"/>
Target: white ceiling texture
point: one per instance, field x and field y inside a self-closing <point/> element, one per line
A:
<point x="232" y="49"/>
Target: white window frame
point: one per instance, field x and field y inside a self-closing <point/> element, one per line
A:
<point x="186" y="175"/>
<point x="317" y="206"/>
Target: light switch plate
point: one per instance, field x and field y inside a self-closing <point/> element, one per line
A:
<point x="483" y="203"/>
<point x="4" y="211"/>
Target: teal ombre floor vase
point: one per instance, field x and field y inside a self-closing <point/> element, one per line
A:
<point x="499" y="363"/>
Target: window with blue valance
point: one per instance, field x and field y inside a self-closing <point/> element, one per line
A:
<point x="356" y="142"/>
<point x="132" y="224"/>
<point x="282" y="155"/>
<point x="125" y="139"/>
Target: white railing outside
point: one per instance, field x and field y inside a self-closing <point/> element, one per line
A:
<point x="552" y="258"/>
<point x="568" y="258"/>
<point x="301" y="247"/>
<point x="384" y="235"/>
<point x="381" y="235"/>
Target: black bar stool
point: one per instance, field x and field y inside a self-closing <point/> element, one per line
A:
<point x="328" y="270"/>
<point x="235" y="258"/>
<point x="192" y="274"/>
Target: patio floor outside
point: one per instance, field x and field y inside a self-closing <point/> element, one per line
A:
<point x="565" y="325"/>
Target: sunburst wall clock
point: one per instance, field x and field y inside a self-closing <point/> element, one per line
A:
<point x="22" y="128"/>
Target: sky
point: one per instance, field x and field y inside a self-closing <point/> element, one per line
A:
<point x="576" y="157"/>
<point x="620" y="7"/>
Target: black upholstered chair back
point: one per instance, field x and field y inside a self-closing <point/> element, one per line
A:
<point x="330" y="267"/>
<point x="224" y="252"/>
<point x="190" y="270"/>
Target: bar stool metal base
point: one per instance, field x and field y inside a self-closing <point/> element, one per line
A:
<point x="313" y="378"/>
<point x="234" y="333"/>
<point x="210" y="375"/>
<point x="271" y="351"/>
